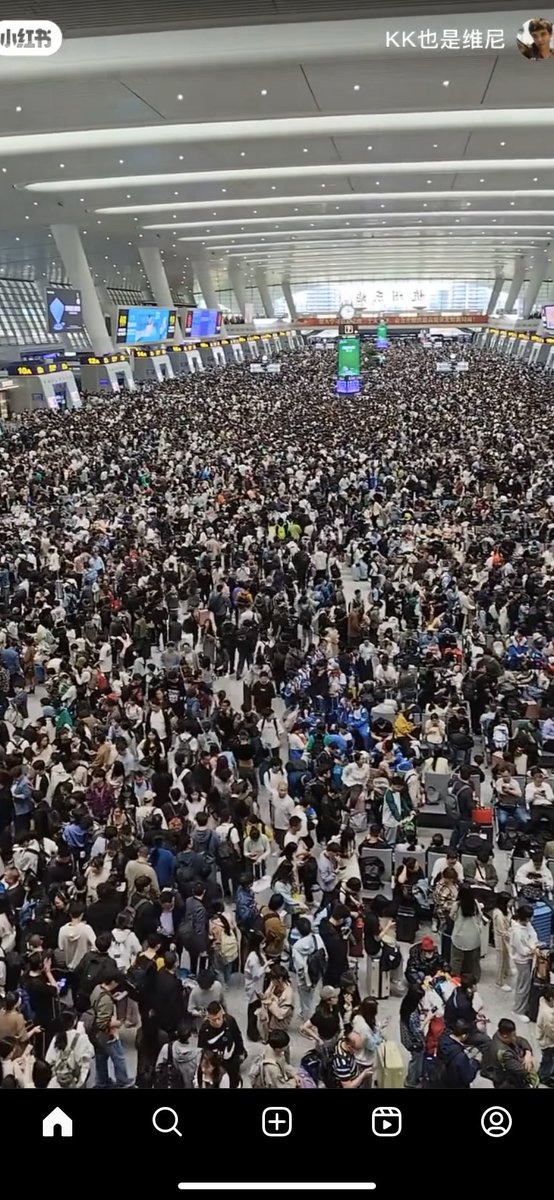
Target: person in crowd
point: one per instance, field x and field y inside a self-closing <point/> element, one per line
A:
<point x="143" y="790"/>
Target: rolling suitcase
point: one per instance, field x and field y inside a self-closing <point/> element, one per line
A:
<point x="390" y="1071"/>
<point x="377" y="981"/>
<point x="406" y="925"/>
<point x="542" y="922"/>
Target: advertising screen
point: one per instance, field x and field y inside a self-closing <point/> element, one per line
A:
<point x="64" y="310"/>
<point x="142" y="324"/>
<point x="203" y="322"/>
<point x="548" y="316"/>
<point x="348" y="360"/>
<point x="347" y="386"/>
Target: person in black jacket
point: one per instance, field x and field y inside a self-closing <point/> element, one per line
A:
<point x="102" y="914"/>
<point x="147" y="911"/>
<point x="424" y="959"/>
<point x="336" y="945"/>
<point x="168" y="1000"/>
<point x="221" y="1034"/>
<point x="194" y="932"/>
<point x="462" y="787"/>
<point x="459" y="1007"/>
<point x="459" y="1071"/>
<point x="96" y="966"/>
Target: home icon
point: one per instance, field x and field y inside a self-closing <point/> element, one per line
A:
<point x="57" y="1123"/>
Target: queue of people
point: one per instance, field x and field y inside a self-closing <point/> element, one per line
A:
<point x="247" y="628"/>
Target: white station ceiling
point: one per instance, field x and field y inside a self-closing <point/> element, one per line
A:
<point x="308" y="150"/>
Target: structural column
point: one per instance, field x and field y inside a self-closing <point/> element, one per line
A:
<point x="238" y="284"/>
<point x="516" y="284"/>
<point x="70" y="246"/>
<point x="204" y="276"/>
<point x="261" y="284"/>
<point x="157" y="278"/>
<point x="495" y="294"/>
<point x="289" y="298"/>
<point x="536" y="279"/>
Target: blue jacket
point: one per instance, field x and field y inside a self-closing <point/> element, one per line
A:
<point x="460" y="1070"/>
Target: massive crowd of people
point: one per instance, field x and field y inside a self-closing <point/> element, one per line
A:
<point x="250" y="631"/>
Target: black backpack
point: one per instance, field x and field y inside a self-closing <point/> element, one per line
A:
<point x="372" y="872"/>
<point x="316" y="963"/>
<point x="167" y="1076"/>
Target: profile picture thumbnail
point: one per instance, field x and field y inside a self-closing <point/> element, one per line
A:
<point x="535" y="40"/>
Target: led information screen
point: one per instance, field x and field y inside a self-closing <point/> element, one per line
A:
<point x="548" y="316"/>
<point x="143" y="324"/>
<point x="347" y="386"/>
<point x="64" y="310"/>
<point x="203" y="322"/>
<point x="348" y="357"/>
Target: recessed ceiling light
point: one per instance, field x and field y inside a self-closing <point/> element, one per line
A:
<point x="17" y="239"/>
<point x="370" y="147"/>
<point x="18" y="108"/>
<point x="356" y="87"/>
<point x="27" y="218"/>
<point x="425" y="206"/>
<point x="180" y="96"/>
<point x="502" y="143"/>
<point x="273" y="188"/>
<point x="446" y="83"/>
<point x="62" y="165"/>
<point x="35" y="203"/>
<point x="4" y="169"/>
<point x="324" y="185"/>
<point x="98" y="222"/>
<point x="429" y="181"/>
<point x="512" y="203"/>
<point x="535" y="179"/>
<point x="82" y="199"/>
<point x="224" y="189"/>
<point x="435" y="146"/>
<point x="383" y="206"/>
<point x="181" y="157"/>
<point x="121" y="161"/>
<point x="263" y="92"/>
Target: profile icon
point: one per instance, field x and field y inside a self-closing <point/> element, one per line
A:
<point x="534" y="39"/>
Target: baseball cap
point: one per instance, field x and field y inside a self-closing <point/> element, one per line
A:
<point x="427" y="943"/>
<point x="329" y="993"/>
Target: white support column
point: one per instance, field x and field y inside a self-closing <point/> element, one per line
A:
<point x="495" y="294"/>
<point x="157" y="278"/>
<point x="289" y="298"/>
<point x="536" y="279"/>
<point x="70" y="246"/>
<point x="261" y="284"/>
<point x="238" y="284"/>
<point x="204" y="276"/>
<point x="516" y="285"/>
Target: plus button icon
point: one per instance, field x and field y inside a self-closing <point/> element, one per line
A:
<point x="277" y="1122"/>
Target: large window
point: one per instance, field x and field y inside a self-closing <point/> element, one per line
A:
<point x="430" y="295"/>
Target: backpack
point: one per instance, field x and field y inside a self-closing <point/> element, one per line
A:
<point x="88" y="979"/>
<point x="225" y="852"/>
<point x="316" y="963"/>
<point x="256" y="1073"/>
<point x="434" y="1073"/>
<point x="229" y="947"/>
<point x="67" y="1073"/>
<point x="137" y="978"/>
<point x="167" y="1075"/>
<point x="451" y="800"/>
<point x="372" y="873"/>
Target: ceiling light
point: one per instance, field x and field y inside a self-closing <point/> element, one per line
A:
<point x="17" y="239"/>
<point x="62" y="165"/>
<point x="435" y="146"/>
<point x="243" y="153"/>
<point x="82" y="199"/>
<point x="35" y="203"/>
<point x="263" y="92"/>
<point x="502" y="143"/>
<point x="446" y="83"/>
<point x="324" y="185"/>
<point x="18" y="108"/>
<point x="224" y="190"/>
<point x="370" y="147"/>
<point x="180" y="96"/>
<point x="273" y="188"/>
<point x="181" y="157"/>
<point x="535" y="179"/>
<point x="121" y="161"/>
<point x="27" y="218"/>
<point x="98" y="222"/>
<point x="356" y="87"/>
<point x="383" y="206"/>
<point x="4" y="169"/>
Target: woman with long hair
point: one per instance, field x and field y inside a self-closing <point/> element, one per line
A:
<point x="365" y="1022"/>
<point x="255" y="970"/>
<point x="210" y="1072"/>
<point x="412" y="1032"/>
<point x="70" y="1053"/>
<point x="465" y="957"/>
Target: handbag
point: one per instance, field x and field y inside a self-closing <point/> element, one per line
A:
<point x="481" y="816"/>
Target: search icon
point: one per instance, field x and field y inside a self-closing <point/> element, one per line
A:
<point x="165" y="1128"/>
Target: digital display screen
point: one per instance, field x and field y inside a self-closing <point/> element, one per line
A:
<point x="548" y="316"/>
<point x="347" y="386"/>
<point x="203" y="322"/>
<point x="348" y="360"/>
<point x="64" y="310"/>
<point x="142" y="324"/>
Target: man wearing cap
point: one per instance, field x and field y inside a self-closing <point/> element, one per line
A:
<point x="424" y="960"/>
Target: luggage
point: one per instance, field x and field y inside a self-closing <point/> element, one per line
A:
<point x="363" y="569"/>
<point x="390" y="1071"/>
<point x="377" y="981"/>
<point x="482" y="816"/>
<point x="356" y="572"/>
<point x="542" y="922"/>
<point x="406" y="924"/>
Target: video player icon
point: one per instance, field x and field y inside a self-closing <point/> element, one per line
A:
<point x="386" y="1122"/>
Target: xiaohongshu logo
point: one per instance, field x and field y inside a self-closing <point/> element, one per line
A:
<point x="21" y="39"/>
